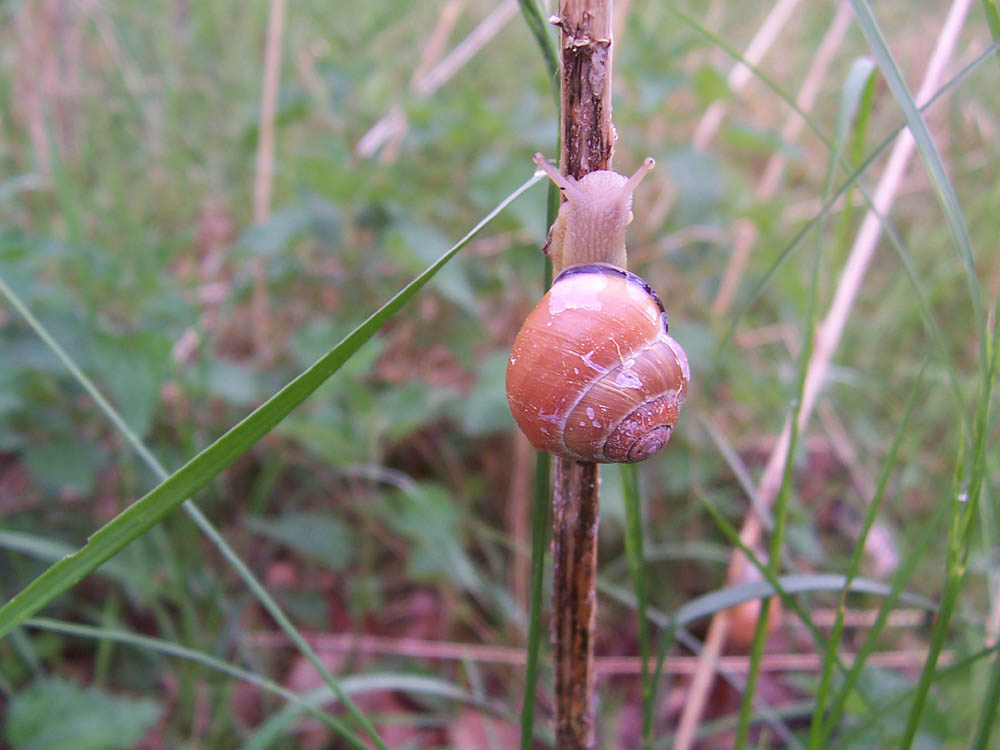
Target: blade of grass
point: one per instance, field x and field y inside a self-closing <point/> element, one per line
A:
<point x="855" y="92"/>
<point x="201" y="521"/>
<point x="890" y="703"/>
<point x="150" y="509"/>
<point x="964" y="505"/>
<point x="992" y="17"/>
<point x="988" y="712"/>
<point x="266" y="600"/>
<point x="267" y="734"/>
<point x="853" y="176"/>
<point x="928" y="151"/>
<point x="788" y="585"/>
<point x="739" y="471"/>
<point x="862" y="71"/>
<point x="902" y="575"/>
<point x="539" y="524"/>
<point x="546" y="42"/>
<point x="777" y="538"/>
<point x="168" y="648"/>
<point x="826" y="678"/>
<point x="796" y="417"/>
<point x="637" y="569"/>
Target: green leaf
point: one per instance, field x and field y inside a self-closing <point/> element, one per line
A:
<point x="313" y="215"/>
<point x="318" y="536"/>
<point x="65" y="464"/>
<point x="485" y="410"/>
<point x="234" y="382"/>
<point x="133" y="368"/>
<point x="699" y="173"/>
<point x="57" y="714"/>
<point x="200" y="470"/>
<point x="709" y="84"/>
<point x="428" y="516"/>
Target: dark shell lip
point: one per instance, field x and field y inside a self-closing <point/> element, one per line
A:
<point x="610" y="270"/>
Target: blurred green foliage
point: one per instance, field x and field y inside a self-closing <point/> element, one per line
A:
<point x="126" y="225"/>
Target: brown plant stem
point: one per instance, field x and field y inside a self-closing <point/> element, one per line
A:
<point x="587" y="137"/>
<point x="574" y="600"/>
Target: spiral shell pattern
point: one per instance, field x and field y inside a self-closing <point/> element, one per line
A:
<point x="594" y="374"/>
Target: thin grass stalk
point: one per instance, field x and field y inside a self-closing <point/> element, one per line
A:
<point x="637" y="570"/>
<point x="539" y="521"/>
<point x="539" y="524"/>
<point x="988" y="712"/>
<point x="966" y="494"/>
<point x="833" y="645"/>
<point x="830" y="330"/>
<point x="168" y="648"/>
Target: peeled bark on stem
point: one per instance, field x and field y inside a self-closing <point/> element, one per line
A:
<point x="587" y="141"/>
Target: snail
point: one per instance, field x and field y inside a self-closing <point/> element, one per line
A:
<point x="594" y="374"/>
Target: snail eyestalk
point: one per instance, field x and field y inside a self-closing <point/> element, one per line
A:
<point x="564" y="182"/>
<point x="633" y="182"/>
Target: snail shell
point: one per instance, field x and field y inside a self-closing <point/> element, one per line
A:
<point x="593" y="374"/>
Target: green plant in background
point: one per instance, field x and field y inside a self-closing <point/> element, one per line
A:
<point x="122" y="233"/>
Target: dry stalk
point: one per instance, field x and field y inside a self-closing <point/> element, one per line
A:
<point x="607" y="666"/>
<point x="264" y="177"/>
<point x="827" y="338"/>
<point x="392" y="126"/>
<point x="587" y="141"/>
<point x="746" y="230"/>
<point x="739" y="76"/>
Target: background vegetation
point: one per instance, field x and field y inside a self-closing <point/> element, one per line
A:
<point x="390" y="513"/>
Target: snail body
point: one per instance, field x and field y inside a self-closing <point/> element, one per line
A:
<point x="594" y="374"/>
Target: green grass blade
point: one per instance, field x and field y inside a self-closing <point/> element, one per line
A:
<point x="539" y="524"/>
<point x="901" y="576"/>
<point x="855" y="107"/>
<point x="169" y="648"/>
<point x="929" y="153"/>
<point x="269" y="733"/>
<point x="739" y="470"/>
<point x="542" y="32"/>
<point x="200" y="470"/>
<point x="964" y="503"/>
<point x="796" y="416"/>
<point x="889" y="704"/>
<point x="826" y="679"/>
<point x="851" y="180"/>
<point x="266" y="600"/>
<point x="988" y="712"/>
<point x="992" y="17"/>
<point x="789" y="585"/>
<point x="637" y="569"/>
